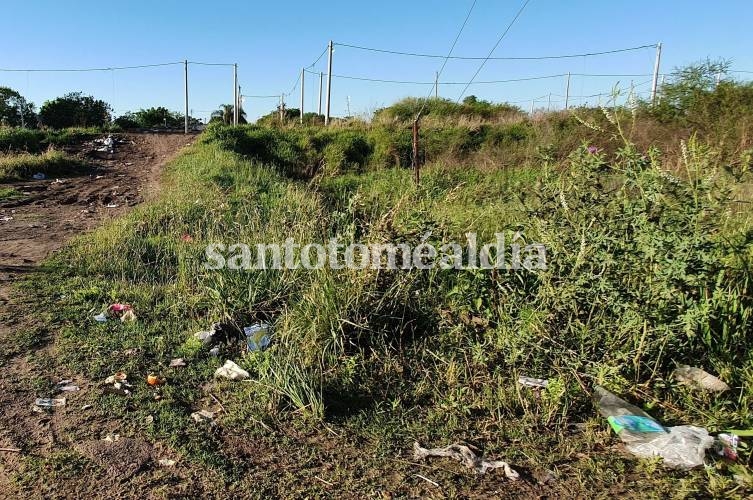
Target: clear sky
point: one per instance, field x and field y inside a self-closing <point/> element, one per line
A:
<point x="271" y="41"/>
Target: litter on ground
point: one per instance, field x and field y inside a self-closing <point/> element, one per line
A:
<point x="465" y="456"/>
<point x="533" y="382"/>
<point x="257" y="336"/>
<point x="177" y="363"/>
<point x="699" y="379"/>
<point x="682" y="446"/>
<point x="49" y="402"/>
<point x="202" y="416"/>
<point x="232" y="371"/>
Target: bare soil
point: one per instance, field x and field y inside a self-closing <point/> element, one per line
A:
<point x="51" y="212"/>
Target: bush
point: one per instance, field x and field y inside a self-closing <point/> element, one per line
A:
<point x="75" y="110"/>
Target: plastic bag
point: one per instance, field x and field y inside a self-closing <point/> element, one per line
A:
<point x="682" y="446"/>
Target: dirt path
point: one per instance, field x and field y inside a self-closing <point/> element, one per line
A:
<point x="50" y="213"/>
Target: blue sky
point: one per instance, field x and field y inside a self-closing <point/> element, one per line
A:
<point x="271" y="41"/>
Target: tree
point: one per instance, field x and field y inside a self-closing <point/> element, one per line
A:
<point x="225" y="114"/>
<point x="158" y="117"/>
<point x="15" y="111"/>
<point x="75" y="110"/>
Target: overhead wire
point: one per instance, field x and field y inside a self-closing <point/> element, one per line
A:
<point x="444" y="63"/>
<point x="482" y="82"/>
<point x="506" y="58"/>
<point x="504" y="34"/>
<point x="81" y="70"/>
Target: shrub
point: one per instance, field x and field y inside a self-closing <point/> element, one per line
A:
<point x="75" y="110"/>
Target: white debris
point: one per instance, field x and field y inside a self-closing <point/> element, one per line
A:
<point x="465" y="456"/>
<point x="700" y="379"/>
<point x="202" y="415"/>
<point x="232" y="371"/>
<point x="533" y="382"/>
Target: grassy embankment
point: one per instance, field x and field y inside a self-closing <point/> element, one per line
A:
<point x="25" y="152"/>
<point x="648" y="267"/>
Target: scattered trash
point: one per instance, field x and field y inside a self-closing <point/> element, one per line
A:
<point x="86" y="407"/>
<point x="202" y="416"/>
<point x="49" y="402"/>
<point x="166" y="462"/>
<point x="118" y="377"/>
<point x="232" y="371"/>
<point x="100" y="318"/>
<point x="112" y="438"/>
<point x="39" y="176"/>
<point x="257" y="336"/>
<point x="6" y="218"/>
<point x="128" y="316"/>
<point x="533" y="382"/>
<point x="177" y="363"/>
<point x="214" y="351"/>
<point x="68" y="388"/>
<point x="682" y="446"/>
<point x="465" y="456"/>
<point x="112" y="205"/>
<point x="726" y="446"/>
<point x="700" y="379"/>
<point x="119" y="308"/>
<point x="187" y="238"/>
<point x="118" y="384"/>
<point x="219" y="333"/>
<point x="153" y="380"/>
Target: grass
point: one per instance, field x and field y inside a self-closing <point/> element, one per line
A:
<point x="647" y="270"/>
<point x="9" y="194"/>
<point x="23" y="166"/>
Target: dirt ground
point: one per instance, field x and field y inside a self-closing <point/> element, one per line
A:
<point x="51" y="212"/>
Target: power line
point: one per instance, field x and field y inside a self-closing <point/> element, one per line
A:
<point x="504" y="34"/>
<point x="444" y="63"/>
<point x="482" y="82"/>
<point x="210" y="64"/>
<point x="318" y="58"/>
<point x="509" y="58"/>
<point x="80" y="70"/>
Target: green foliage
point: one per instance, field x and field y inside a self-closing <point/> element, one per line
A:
<point x="75" y="110"/>
<point x="407" y="109"/>
<point x="15" y="111"/>
<point x="34" y="141"/>
<point x="225" y="115"/>
<point x="23" y="166"/>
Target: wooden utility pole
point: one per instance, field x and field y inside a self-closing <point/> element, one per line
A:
<point x="655" y="83"/>
<point x="416" y="163"/>
<point x="303" y="80"/>
<point x="235" y="94"/>
<point x="329" y="83"/>
<point x="185" y="68"/>
<point x="549" y="103"/>
<point x="281" y="108"/>
<point x="436" y="85"/>
<point x="240" y="102"/>
<point x="567" y="92"/>
<point x="321" y="80"/>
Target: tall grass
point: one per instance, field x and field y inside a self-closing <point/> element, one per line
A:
<point x="23" y="166"/>
<point x="647" y="270"/>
